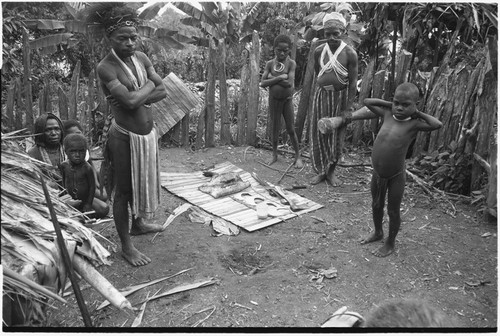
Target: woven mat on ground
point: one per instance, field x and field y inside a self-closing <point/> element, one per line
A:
<point x="238" y="208"/>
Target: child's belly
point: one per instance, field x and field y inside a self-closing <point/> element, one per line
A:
<point x="387" y="161"/>
<point x="280" y="92"/>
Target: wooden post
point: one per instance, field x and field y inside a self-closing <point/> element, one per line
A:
<point x="253" y="91"/>
<point x="91" y="98"/>
<point x="19" y="110"/>
<point x="377" y="92"/>
<point x="28" y="97"/>
<point x="307" y="92"/>
<point x="210" y="96"/>
<point x="225" y="121"/>
<point x="9" y="106"/>
<point x="63" y="103"/>
<point x="486" y="113"/>
<point x="200" y="129"/>
<point x="176" y="133"/>
<point x="185" y="130"/>
<point x="293" y="53"/>
<point x="243" y="100"/>
<point x="491" y="198"/>
<point x="73" y="91"/>
<point x="403" y="67"/>
<point x="364" y="92"/>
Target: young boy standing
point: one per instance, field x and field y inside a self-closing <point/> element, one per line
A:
<point x="402" y="121"/>
<point x="279" y="75"/>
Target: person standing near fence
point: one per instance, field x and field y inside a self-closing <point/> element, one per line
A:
<point x="279" y="76"/>
<point x="336" y="66"/>
<point x="131" y="156"/>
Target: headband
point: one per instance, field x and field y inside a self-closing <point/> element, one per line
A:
<point x="119" y="22"/>
<point x="334" y="20"/>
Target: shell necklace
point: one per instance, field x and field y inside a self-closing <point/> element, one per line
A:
<point x="278" y="66"/>
<point x="405" y="119"/>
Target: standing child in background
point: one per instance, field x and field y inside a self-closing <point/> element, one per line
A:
<point x="78" y="176"/>
<point x="402" y="121"/>
<point x="279" y="75"/>
<point x="72" y="126"/>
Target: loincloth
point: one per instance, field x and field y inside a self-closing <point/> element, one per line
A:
<point x="145" y="170"/>
<point x="381" y="185"/>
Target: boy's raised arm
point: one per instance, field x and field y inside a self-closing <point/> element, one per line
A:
<point x="428" y="122"/>
<point x="377" y="106"/>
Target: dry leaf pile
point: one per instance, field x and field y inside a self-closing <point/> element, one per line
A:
<point x="29" y="247"/>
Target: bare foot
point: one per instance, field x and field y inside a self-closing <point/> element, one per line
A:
<point x="140" y="227"/>
<point x="373" y="237"/>
<point x="318" y="178"/>
<point x="298" y="163"/>
<point x="334" y="180"/>
<point x="135" y="257"/>
<point x="383" y="251"/>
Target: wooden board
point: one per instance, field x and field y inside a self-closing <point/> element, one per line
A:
<point x="179" y="101"/>
<point x="238" y="208"/>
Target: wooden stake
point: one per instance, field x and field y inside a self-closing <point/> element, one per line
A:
<point x="65" y="257"/>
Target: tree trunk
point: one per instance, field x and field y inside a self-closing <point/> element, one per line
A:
<point x="210" y="96"/>
<point x="243" y="100"/>
<point x="307" y="92"/>
<point x="225" y="123"/>
<point x="28" y="96"/>
<point x="253" y="93"/>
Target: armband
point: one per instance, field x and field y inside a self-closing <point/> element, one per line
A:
<point x="347" y="118"/>
<point x="113" y="84"/>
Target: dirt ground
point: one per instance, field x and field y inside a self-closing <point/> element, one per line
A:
<point x="445" y="254"/>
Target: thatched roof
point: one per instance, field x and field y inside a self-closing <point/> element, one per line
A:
<point x="27" y="234"/>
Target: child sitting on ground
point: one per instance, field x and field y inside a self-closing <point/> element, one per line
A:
<point x="401" y="123"/>
<point x="279" y="75"/>
<point x="72" y="126"/>
<point x="78" y="177"/>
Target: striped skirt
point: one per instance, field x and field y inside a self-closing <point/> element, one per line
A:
<point x="326" y="149"/>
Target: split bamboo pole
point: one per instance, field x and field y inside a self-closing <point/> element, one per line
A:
<point x="28" y="95"/>
<point x="65" y="256"/>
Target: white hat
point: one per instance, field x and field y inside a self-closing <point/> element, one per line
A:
<point x="334" y="16"/>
